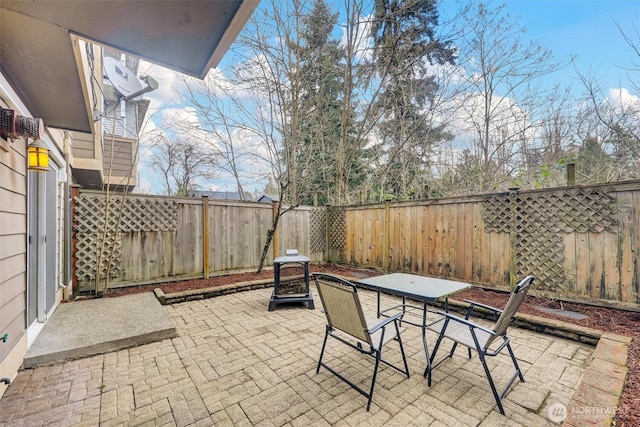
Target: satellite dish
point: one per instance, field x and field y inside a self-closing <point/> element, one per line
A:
<point x="126" y="86"/>
<point x="123" y="80"/>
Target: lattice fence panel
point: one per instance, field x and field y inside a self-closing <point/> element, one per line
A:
<point x="137" y="214"/>
<point x="91" y="216"/>
<point x="89" y="249"/>
<point x="540" y="254"/>
<point x="536" y="222"/>
<point x="337" y="218"/>
<point x="568" y="211"/>
<point x="318" y="238"/>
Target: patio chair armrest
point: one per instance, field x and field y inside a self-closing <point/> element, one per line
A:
<point x="486" y="307"/>
<point x="466" y="322"/>
<point x="384" y="322"/>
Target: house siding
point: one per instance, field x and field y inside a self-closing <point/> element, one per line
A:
<point x="13" y="263"/>
<point x="84" y="146"/>
<point x="118" y="156"/>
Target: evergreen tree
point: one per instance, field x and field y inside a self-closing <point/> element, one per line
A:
<point x="320" y="58"/>
<point x="322" y="129"/>
<point x="405" y="44"/>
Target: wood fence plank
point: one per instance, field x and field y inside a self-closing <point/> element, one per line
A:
<point x="446" y="219"/>
<point x="439" y="241"/>
<point x="583" y="283"/>
<point x="367" y="237"/>
<point x="458" y="243"/>
<point x="381" y="230"/>
<point x="414" y="238"/>
<point x="397" y="238"/>
<point x="377" y="239"/>
<point x="433" y="241"/>
<point x="356" y="238"/>
<point x="630" y="268"/>
<point x="352" y="232"/>
<point x="367" y="230"/>
<point x="478" y="232"/>
<point x="468" y="241"/>
<point x="636" y="244"/>
<point x="420" y="239"/>
<point x="570" y="273"/>
<point x="409" y="238"/>
<point x="502" y="259"/>
<point x="596" y="264"/>
<point x="394" y="237"/>
<point x="611" y="273"/>
<point x="485" y="255"/>
<point x="429" y="251"/>
<point x="354" y="221"/>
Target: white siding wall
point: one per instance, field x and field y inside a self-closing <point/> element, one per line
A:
<point x="13" y="260"/>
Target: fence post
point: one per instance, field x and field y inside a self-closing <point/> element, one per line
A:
<point x="386" y="236"/>
<point x="75" y="286"/>
<point x="327" y="234"/>
<point x="513" y="253"/>
<point x="571" y="174"/>
<point x="205" y="236"/>
<point x="275" y="229"/>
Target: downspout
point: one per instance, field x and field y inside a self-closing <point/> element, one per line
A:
<point x="68" y="291"/>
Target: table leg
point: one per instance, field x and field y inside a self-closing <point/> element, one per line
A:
<point x="427" y="371"/>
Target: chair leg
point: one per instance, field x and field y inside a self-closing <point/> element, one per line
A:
<point x="324" y="344"/>
<point x="515" y="362"/>
<point x="373" y="381"/>
<point x="491" y="383"/>
<point x="404" y="357"/>
<point x="453" y="350"/>
<point x="430" y="366"/>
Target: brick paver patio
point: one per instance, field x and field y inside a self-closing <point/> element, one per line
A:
<point x="235" y="363"/>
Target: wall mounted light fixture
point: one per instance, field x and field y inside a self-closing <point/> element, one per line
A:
<point x="13" y="126"/>
<point x="38" y="156"/>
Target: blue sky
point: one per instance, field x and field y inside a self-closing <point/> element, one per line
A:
<point x="586" y="29"/>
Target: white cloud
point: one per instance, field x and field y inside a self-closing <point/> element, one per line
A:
<point x="144" y="186"/>
<point x="186" y="116"/>
<point x="622" y="98"/>
<point x="447" y="74"/>
<point x="363" y="41"/>
<point x="170" y="84"/>
<point x="464" y="117"/>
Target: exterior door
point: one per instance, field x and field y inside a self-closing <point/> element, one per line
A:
<point x="42" y="244"/>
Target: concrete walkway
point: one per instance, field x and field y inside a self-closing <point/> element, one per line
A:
<point x="87" y="328"/>
<point x="235" y="363"/>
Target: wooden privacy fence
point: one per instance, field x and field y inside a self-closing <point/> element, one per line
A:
<point x="152" y="239"/>
<point x="581" y="243"/>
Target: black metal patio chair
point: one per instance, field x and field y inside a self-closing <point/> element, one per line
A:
<point x="486" y="341"/>
<point x="347" y="323"/>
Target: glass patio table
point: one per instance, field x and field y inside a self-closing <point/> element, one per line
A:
<point x="418" y="288"/>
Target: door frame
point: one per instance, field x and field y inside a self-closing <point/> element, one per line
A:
<point x="44" y="205"/>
